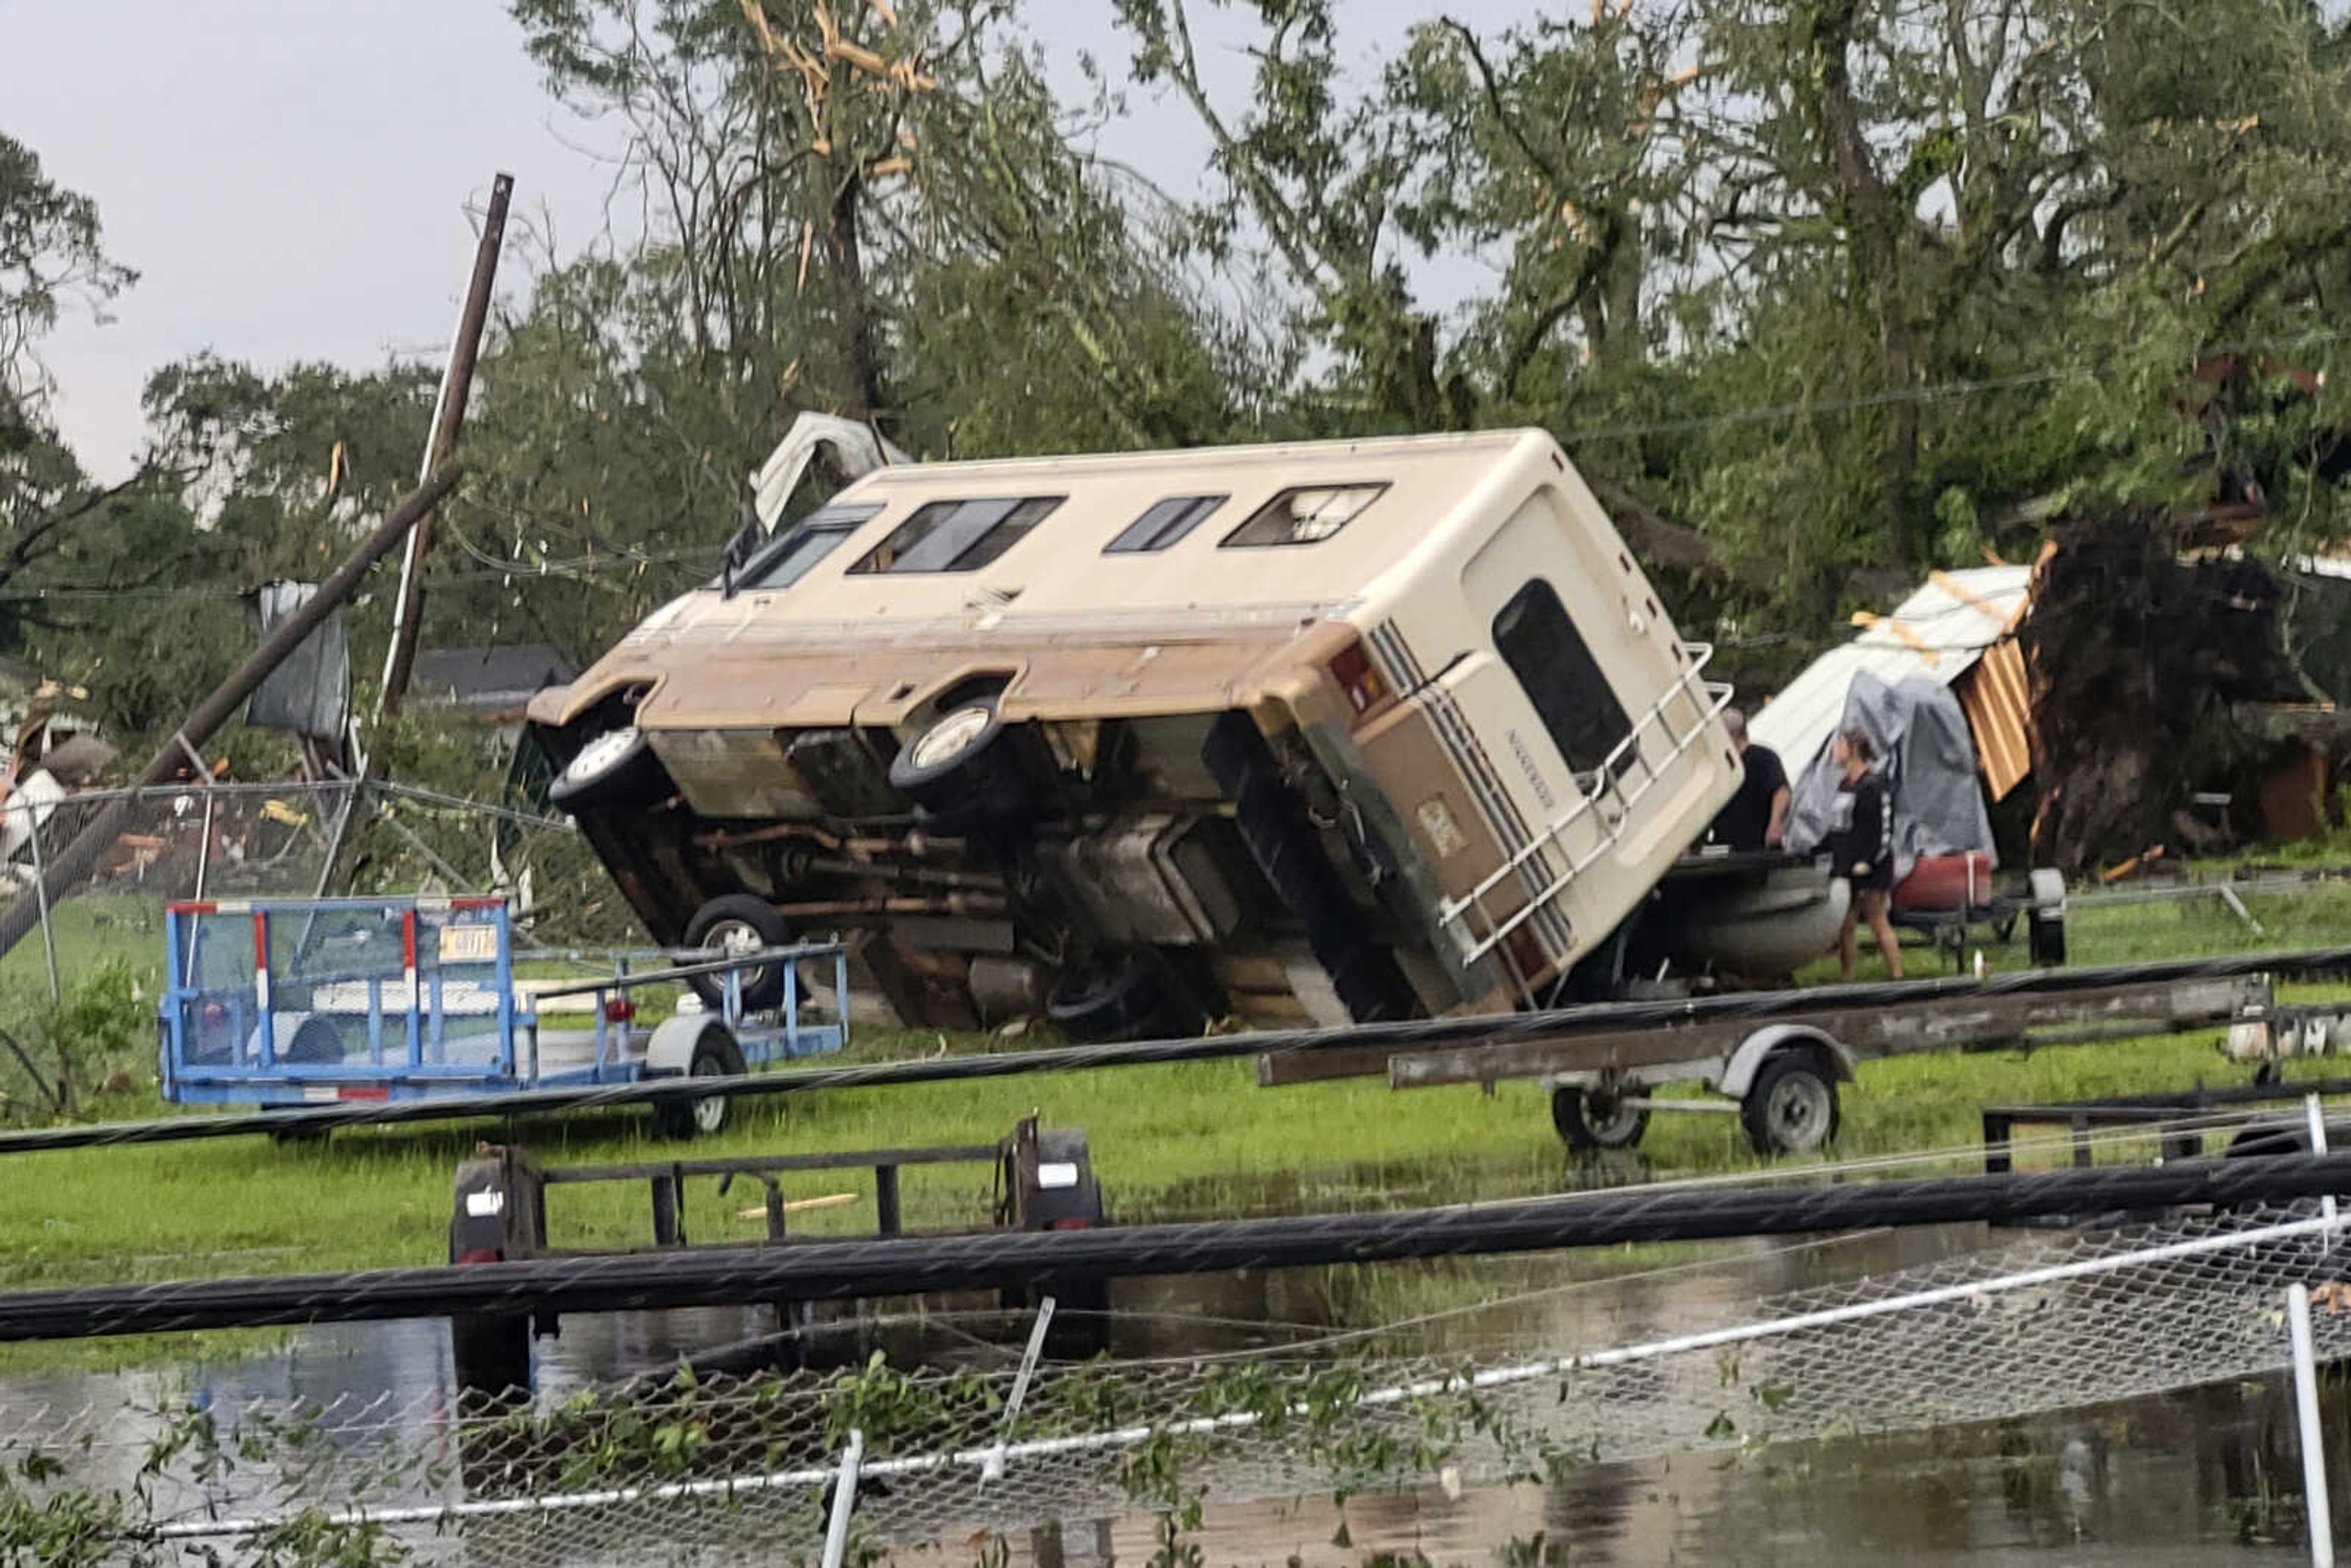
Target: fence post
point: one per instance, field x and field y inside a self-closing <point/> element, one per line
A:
<point x="2313" y="1118"/>
<point x="41" y="892"/>
<point x="204" y="844"/>
<point x="993" y="1470"/>
<point x="2315" y="1509"/>
<point x="845" y="1498"/>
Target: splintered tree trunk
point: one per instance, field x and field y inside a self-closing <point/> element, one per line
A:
<point x="845" y="248"/>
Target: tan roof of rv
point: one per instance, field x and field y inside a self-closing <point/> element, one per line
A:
<point x="1059" y="570"/>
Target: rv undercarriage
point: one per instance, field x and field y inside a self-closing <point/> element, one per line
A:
<point x="1117" y="876"/>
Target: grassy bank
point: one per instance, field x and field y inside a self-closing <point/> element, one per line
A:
<point x="1185" y="1140"/>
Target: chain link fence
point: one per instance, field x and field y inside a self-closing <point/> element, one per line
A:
<point x="972" y="1465"/>
<point x="72" y="993"/>
<point x="293" y="839"/>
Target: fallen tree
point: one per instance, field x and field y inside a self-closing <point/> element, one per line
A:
<point x="2137" y="657"/>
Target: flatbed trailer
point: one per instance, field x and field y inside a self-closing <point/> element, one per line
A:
<point x="288" y="1003"/>
<point x="1780" y="1074"/>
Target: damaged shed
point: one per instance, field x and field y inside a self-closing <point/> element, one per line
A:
<point x="1958" y="630"/>
<point x="2137" y="678"/>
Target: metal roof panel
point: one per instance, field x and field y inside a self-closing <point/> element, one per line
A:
<point x="1939" y="631"/>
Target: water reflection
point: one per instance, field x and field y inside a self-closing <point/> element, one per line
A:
<point x="2207" y="1476"/>
<point x="2203" y="1478"/>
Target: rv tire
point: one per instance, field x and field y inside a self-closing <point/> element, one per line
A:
<point x="740" y="922"/>
<point x="615" y="770"/>
<point x="959" y="769"/>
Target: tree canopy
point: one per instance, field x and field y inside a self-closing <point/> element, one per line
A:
<point x="1819" y="294"/>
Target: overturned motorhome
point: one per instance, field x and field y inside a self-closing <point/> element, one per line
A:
<point x="1355" y="730"/>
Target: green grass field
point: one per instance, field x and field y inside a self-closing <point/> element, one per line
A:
<point x="1176" y="1141"/>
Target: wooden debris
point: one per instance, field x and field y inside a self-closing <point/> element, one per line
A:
<point x="803" y="1205"/>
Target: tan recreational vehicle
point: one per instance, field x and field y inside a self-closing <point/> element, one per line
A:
<point x="1349" y="729"/>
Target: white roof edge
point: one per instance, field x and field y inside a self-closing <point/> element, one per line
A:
<point x="1341" y="449"/>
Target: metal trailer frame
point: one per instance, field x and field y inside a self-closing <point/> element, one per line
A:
<point x="2235" y="1108"/>
<point x="1044" y="1181"/>
<point x="1780" y="1075"/>
<point x="2038" y="904"/>
<point x="405" y="1050"/>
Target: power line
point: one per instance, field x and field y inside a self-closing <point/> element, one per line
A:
<point x="814" y="1270"/>
<point x="1401" y="1036"/>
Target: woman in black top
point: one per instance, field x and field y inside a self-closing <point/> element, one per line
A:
<point x="1861" y="844"/>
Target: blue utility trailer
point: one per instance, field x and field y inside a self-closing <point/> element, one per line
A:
<point x="309" y="1001"/>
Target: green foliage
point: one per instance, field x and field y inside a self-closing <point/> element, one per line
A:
<point x="48" y="1518"/>
<point x="51" y="252"/>
<point x="1821" y="294"/>
<point x="96" y="1040"/>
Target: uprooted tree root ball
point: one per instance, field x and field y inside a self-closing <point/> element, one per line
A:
<point x="2135" y="658"/>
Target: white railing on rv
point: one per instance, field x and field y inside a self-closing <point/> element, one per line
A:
<point x="1606" y="788"/>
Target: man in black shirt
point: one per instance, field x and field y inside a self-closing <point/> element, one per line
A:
<point x="1755" y="816"/>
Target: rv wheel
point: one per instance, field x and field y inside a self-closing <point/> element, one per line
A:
<point x="959" y="766"/>
<point x="1119" y="997"/>
<point x="615" y="771"/>
<point x="734" y="924"/>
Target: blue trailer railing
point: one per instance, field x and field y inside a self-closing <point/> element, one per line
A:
<point x="301" y="1001"/>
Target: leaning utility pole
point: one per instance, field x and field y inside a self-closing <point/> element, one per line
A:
<point x="448" y="418"/>
<point x="185" y="747"/>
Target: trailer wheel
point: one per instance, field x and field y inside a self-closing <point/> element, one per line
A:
<point x="715" y="1055"/>
<point x="1790" y="1108"/>
<point x="292" y="1138"/>
<point x="735" y="924"/>
<point x="615" y="771"/>
<point x="2044" y="939"/>
<point x="2044" y="918"/>
<point x="1591" y="1119"/>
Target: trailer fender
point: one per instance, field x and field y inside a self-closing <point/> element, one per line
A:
<point x="1765" y="1042"/>
<point x="670" y="1052"/>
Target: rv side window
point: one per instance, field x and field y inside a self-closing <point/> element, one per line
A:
<point x="1305" y="514"/>
<point x="958" y="536"/>
<point x="1162" y="524"/>
<point x="801" y="546"/>
<point x="1543" y="649"/>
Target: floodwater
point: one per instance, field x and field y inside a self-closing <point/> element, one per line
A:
<point x="2179" y="1480"/>
<point x="2209" y="1475"/>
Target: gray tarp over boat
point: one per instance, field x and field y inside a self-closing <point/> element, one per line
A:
<point x="1920" y="734"/>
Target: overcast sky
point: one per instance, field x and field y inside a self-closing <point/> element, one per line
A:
<point x="290" y="177"/>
